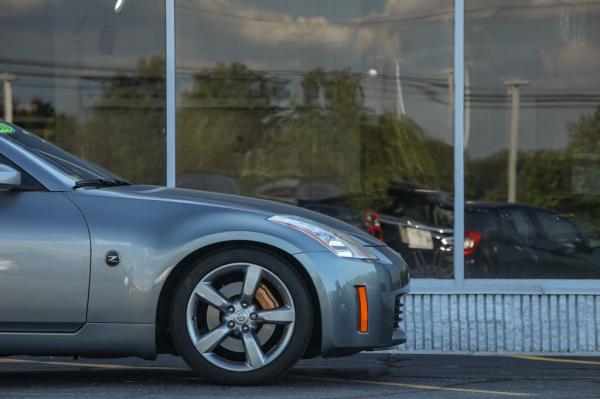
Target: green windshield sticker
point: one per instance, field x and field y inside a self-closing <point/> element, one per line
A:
<point x="6" y="129"/>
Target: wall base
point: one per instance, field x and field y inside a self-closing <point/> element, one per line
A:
<point x="508" y="324"/>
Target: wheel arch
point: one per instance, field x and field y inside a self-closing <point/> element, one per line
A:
<point x="164" y="342"/>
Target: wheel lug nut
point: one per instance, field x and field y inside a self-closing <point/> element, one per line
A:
<point x="230" y="309"/>
<point x="253" y="316"/>
<point x="245" y="328"/>
<point x="244" y="305"/>
<point x="230" y="324"/>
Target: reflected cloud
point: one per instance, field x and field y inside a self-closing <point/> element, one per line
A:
<point x="7" y="265"/>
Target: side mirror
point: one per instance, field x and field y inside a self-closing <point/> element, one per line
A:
<point x="9" y="177"/>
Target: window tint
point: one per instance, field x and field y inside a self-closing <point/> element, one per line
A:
<point x="522" y="223"/>
<point x="556" y="228"/>
<point x="479" y="220"/>
<point x="26" y="179"/>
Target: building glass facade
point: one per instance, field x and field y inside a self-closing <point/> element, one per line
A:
<point x="346" y="108"/>
<point x="531" y="147"/>
<point x="341" y="107"/>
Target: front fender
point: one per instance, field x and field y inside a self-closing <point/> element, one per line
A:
<point x="153" y="239"/>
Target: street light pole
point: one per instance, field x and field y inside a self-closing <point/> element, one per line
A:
<point x="8" y="96"/>
<point x="514" y="88"/>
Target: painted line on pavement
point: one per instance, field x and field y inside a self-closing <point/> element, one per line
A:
<point x="368" y="382"/>
<point x="91" y="365"/>
<point x="557" y="360"/>
<point x="414" y="386"/>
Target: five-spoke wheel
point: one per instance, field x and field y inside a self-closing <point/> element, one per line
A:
<point x="241" y="323"/>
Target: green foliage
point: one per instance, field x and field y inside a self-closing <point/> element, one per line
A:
<point x="565" y="181"/>
<point x="126" y="130"/>
<point x="242" y="124"/>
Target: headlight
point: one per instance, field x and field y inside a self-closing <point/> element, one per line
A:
<point x="339" y="243"/>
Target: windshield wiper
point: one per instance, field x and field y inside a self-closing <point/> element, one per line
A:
<point x="100" y="183"/>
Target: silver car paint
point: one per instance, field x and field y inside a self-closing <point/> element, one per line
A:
<point x="44" y="260"/>
<point x="153" y="234"/>
<point x="154" y="228"/>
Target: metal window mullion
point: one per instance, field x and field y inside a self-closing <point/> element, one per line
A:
<point x="170" y="80"/>
<point x="459" y="112"/>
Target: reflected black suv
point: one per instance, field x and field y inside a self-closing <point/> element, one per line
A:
<point x="502" y="240"/>
<point x="522" y="241"/>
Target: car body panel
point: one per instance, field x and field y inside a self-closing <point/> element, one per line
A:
<point x="44" y="261"/>
<point x="336" y="281"/>
<point x="92" y="340"/>
<point x="154" y="236"/>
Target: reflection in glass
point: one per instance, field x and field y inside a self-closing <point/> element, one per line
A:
<point x="532" y="155"/>
<point x="89" y="76"/>
<point x="331" y="106"/>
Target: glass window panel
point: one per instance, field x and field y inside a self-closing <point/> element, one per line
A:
<point x="532" y="153"/>
<point x="90" y="78"/>
<point x="342" y="107"/>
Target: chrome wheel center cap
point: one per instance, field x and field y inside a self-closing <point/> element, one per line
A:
<point x="241" y="316"/>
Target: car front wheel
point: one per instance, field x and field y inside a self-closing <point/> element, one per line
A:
<point x="241" y="316"/>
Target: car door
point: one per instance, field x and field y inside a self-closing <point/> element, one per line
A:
<point x="44" y="260"/>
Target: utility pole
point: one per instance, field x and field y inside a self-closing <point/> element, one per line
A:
<point x="514" y="89"/>
<point x="8" y="96"/>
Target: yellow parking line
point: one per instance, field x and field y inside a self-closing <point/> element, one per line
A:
<point x="370" y="382"/>
<point x="91" y="365"/>
<point x="415" y="386"/>
<point x="558" y="360"/>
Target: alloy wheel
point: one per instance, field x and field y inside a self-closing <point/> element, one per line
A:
<point x="240" y="317"/>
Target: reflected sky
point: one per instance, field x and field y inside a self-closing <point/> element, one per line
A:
<point x="554" y="44"/>
<point x="290" y="38"/>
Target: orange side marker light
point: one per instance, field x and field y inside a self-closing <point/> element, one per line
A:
<point x="363" y="309"/>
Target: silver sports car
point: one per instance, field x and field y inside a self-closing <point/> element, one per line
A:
<point x="241" y="288"/>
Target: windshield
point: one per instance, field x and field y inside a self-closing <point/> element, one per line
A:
<point x="71" y="166"/>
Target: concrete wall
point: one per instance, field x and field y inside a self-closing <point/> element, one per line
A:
<point x="524" y="323"/>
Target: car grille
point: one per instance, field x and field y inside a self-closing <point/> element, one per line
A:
<point x="398" y="311"/>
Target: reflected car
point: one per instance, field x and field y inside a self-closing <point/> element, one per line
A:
<point x="418" y="223"/>
<point x="505" y="240"/>
<point x="502" y="240"/>
<point x="95" y="266"/>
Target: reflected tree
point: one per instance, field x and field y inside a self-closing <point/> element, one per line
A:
<point x="249" y="125"/>
<point x="126" y="129"/>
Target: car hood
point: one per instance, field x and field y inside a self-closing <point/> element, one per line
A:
<point x="238" y="202"/>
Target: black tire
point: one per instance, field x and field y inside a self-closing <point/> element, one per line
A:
<point x="302" y="306"/>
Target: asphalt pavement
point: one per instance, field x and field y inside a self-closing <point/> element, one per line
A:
<point x="368" y="375"/>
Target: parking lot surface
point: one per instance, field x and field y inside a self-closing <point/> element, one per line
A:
<point x="361" y="376"/>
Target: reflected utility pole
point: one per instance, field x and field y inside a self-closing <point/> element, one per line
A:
<point x="467" y="122"/>
<point x="514" y="88"/>
<point x="400" y="108"/>
<point x="8" y="96"/>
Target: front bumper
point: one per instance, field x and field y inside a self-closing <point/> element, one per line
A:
<point x="386" y="281"/>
